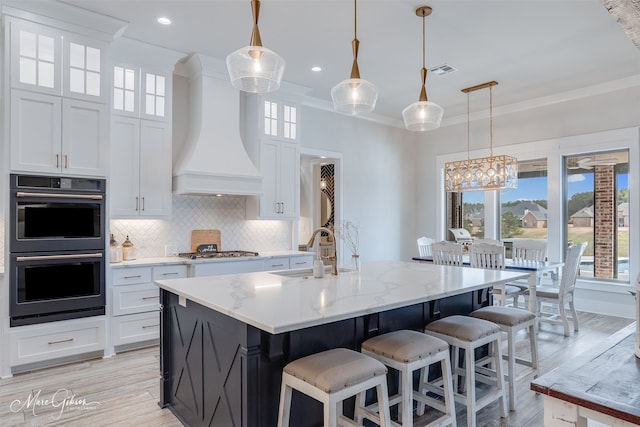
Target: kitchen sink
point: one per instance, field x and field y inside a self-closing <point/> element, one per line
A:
<point x="307" y="273"/>
<point x="301" y="273"/>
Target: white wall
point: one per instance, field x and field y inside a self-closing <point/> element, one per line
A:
<point x="378" y="179"/>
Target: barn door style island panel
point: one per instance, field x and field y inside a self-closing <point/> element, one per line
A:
<point x="225" y="339"/>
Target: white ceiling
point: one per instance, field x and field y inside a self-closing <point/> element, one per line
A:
<point x="533" y="48"/>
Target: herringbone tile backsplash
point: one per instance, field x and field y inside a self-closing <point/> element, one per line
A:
<point x="226" y="214"/>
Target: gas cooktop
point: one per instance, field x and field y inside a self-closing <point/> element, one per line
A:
<point x="216" y="254"/>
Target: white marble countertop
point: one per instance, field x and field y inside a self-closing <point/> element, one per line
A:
<point x="279" y="303"/>
<point x="168" y="260"/>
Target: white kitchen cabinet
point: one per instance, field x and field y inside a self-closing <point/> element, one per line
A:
<point x="140" y="168"/>
<point x="52" y="61"/>
<point x="49" y="341"/>
<point x="276" y="263"/>
<point x="135" y="302"/>
<point x="214" y="268"/>
<point x="55" y="135"/>
<point x="280" y="168"/>
<point x="302" y="261"/>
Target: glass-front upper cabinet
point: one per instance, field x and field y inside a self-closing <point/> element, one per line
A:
<point x="51" y="61"/>
<point x="139" y="93"/>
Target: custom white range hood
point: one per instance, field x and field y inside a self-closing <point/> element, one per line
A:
<point x="213" y="159"/>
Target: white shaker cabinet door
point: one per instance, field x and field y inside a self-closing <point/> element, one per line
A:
<point x="84" y="138"/>
<point x="155" y="169"/>
<point x="125" y="160"/>
<point x="289" y="183"/>
<point x="36" y="134"/>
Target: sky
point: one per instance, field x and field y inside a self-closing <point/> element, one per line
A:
<point x="536" y="188"/>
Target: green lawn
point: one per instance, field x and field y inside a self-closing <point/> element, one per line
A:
<point x="583" y="234"/>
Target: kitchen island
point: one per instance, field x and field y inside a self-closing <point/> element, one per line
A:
<point x="225" y="339"/>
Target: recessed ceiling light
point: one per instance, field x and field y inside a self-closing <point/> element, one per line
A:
<point x="164" y="20"/>
<point x="316" y="69"/>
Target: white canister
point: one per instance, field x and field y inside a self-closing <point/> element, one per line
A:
<point x="318" y="268"/>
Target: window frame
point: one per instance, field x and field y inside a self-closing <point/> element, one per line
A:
<point x="554" y="150"/>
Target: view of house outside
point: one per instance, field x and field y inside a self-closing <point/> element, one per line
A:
<point x="524" y="210"/>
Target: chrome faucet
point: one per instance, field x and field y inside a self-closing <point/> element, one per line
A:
<point x="334" y="257"/>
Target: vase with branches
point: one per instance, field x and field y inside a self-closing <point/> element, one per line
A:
<point x="349" y="233"/>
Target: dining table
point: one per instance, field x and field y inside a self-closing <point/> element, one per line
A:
<point x="536" y="270"/>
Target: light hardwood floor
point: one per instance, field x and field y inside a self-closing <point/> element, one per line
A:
<point x="126" y="386"/>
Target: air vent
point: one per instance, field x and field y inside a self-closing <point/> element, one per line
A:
<point x="443" y="69"/>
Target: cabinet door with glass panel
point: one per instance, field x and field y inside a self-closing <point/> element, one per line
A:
<point x="140" y="144"/>
<point x="57" y="82"/>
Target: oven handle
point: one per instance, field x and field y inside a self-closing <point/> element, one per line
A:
<point x="54" y="257"/>
<point x="60" y="196"/>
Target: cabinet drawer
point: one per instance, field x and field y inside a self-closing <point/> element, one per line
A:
<point x="59" y="339"/>
<point x="281" y="263"/>
<point x="169" y="272"/>
<point x="231" y="267"/>
<point x="135" y="299"/>
<point x="301" y="262"/>
<point x="130" y="276"/>
<point x="135" y="328"/>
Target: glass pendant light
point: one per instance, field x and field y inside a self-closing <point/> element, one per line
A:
<point x="255" y="68"/>
<point x="423" y="114"/>
<point x="354" y="95"/>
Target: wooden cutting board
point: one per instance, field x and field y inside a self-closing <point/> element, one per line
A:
<point x="204" y="237"/>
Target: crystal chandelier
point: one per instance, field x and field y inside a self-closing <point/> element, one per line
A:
<point x="354" y="95"/>
<point x="423" y="114"/>
<point x="255" y="68"/>
<point x="485" y="173"/>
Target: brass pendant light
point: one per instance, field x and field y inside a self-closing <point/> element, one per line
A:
<point x="354" y="95"/>
<point x="423" y="114"/>
<point x="485" y="173"/>
<point x="255" y="68"/>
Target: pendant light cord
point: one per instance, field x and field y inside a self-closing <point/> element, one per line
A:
<point x="355" y="20"/>
<point x="491" y="121"/>
<point x="468" y="130"/>
<point x="423" y="41"/>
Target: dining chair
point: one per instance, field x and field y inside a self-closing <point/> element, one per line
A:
<point x="529" y="250"/>
<point x="489" y="241"/>
<point x="490" y="256"/>
<point x="559" y="296"/>
<point x="447" y="253"/>
<point x="424" y="246"/>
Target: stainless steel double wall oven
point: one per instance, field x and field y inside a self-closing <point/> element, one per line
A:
<point x="57" y="245"/>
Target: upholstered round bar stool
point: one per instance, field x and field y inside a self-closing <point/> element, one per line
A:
<point x="512" y="320"/>
<point x="470" y="333"/>
<point x="331" y="377"/>
<point x="408" y="351"/>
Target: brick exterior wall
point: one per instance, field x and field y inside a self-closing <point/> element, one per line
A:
<point x="605" y="224"/>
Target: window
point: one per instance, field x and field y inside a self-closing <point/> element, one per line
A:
<point x="523" y="210"/>
<point x="473" y="213"/>
<point x="597" y="208"/>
